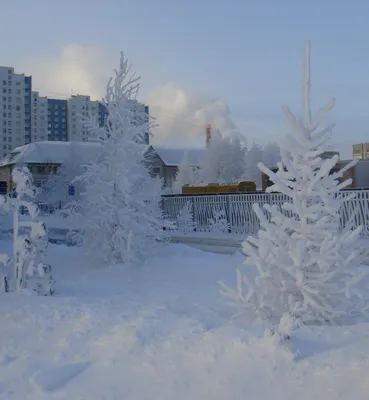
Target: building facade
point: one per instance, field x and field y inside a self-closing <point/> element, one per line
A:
<point x="15" y="108"/>
<point x="80" y="106"/>
<point x="27" y="109"/>
<point x="26" y="117"/>
<point x="140" y="117"/>
<point x="57" y="119"/>
<point x="39" y="118"/>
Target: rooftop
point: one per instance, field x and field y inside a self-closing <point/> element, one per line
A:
<point x="53" y="153"/>
<point x="174" y="156"/>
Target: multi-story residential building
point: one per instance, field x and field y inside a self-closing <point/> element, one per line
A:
<point x="27" y="109"/>
<point x="141" y="116"/>
<point x="39" y="118"/>
<point x="57" y="120"/>
<point x="26" y="117"/>
<point x="80" y="106"/>
<point x="15" y="110"/>
<point x="360" y="151"/>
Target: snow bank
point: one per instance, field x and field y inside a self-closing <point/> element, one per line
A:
<point x="161" y="332"/>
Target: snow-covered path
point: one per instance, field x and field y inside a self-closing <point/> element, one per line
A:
<point x="161" y="332"/>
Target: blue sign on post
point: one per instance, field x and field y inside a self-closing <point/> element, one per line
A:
<point x="71" y="190"/>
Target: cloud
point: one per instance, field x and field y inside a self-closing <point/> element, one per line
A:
<point x="182" y="116"/>
<point x="77" y="69"/>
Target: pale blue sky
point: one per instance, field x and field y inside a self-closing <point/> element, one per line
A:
<point x="246" y="53"/>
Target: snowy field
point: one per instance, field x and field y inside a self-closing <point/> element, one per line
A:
<point x="162" y="332"/>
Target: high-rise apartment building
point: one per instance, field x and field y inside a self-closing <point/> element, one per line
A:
<point x="80" y="106"/>
<point x="141" y="116"/>
<point x="39" y="118"/>
<point x="27" y="117"/>
<point x="57" y="120"/>
<point x="27" y="109"/>
<point x="15" y="109"/>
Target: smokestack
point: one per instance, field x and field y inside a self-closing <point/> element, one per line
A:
<point x="208" y="134"/>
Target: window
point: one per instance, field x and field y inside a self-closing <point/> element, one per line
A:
<point x="18" y="83"/>
<point x="19" y="92"/>
<point x="9" y="91"/>
<point x="4" y="83"/>
<point x="4" y="114"/>
<point x="4" y="106"/>
<point x="4" y="90"/>
<point x="40" y="169"/>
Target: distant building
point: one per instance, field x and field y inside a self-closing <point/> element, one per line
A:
<point x="360" y="151"/>
<point x="15" y="109"/>
<point x="42" y="158"/>
<point x="141" y="116"/>
<point x="57" y="120"/>
<point x="39" y="118"/>
<point x="26" y="117"/>
<point x="80" y="106"/>
<point x="45" y="157"/>
<point x="164" y="161"/>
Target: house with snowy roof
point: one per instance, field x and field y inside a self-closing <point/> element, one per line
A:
<point x="43" y="158"/>
<point x="164" y="161"/>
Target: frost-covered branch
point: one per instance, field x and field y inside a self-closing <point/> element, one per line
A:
<point x="29" y="268"/>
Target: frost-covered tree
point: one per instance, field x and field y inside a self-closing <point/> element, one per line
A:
<point x="185" y="174"/>
<point x="308" y="270"/>
<point x="54" y="191"/>
<point x="219" y="223"/>
<point x="225" y="160"/>
<point x="234" y="169"/>
<point x="4" y="261"/>
<point x="271" y="155"/>
<point x="122" y="218"/>
<point x="30" y="271"/>
<point x="253" y="157"/>
<point x="185" y="219"/>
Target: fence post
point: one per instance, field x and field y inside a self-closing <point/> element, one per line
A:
<point x="193" y="214"/>
<point x="230" y="219"/>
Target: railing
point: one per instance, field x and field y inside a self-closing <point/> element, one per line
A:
<point x="242" y="218"/>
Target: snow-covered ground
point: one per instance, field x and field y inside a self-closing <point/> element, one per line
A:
<point x="162" y="332"/>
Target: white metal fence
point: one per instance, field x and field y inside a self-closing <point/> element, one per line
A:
<point x="241" y="217"/>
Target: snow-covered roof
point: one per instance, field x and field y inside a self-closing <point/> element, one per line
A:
<point x="174" y="156"/>
<point x="53" y="153"/>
